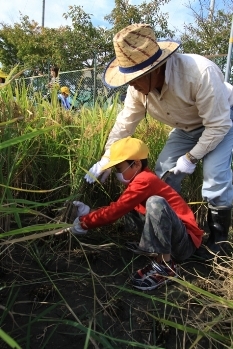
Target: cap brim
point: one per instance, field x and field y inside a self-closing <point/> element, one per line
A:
<point x="111" y="164"/>
<point x="112" y="76"/>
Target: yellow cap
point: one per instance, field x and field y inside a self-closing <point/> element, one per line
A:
<point x="65" y="89"/>
<point x="2" y="74"/>
<point x="126" y="149"/>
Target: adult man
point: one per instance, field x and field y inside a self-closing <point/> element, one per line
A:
<point x="184" y="91"/>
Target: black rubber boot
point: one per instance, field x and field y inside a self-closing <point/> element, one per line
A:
<point x="219" y="222"/>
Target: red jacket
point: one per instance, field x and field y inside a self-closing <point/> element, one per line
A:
<point x="144" y="185"/>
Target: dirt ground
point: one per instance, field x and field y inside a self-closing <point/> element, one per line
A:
<point x="53" y="288"/>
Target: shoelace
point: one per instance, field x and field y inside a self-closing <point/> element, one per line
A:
<point x="159" y="268"/>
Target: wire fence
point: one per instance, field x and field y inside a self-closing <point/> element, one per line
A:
<point x="86" y="87"/>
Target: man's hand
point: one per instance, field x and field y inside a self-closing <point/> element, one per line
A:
<point x="184" y="165"/>
<point x="96" y="171"/>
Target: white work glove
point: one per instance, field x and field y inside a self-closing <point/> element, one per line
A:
<point x="82" y="209"/>
<point x="96" y="171"/>
<point x="76" y="229"/>
<point x="184" y="165"/>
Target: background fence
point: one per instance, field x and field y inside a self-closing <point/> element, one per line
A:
<point x="86" y="86"/>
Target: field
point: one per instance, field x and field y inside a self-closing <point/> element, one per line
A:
<point x="76" y="293"/>
<point x="64" y="292"/>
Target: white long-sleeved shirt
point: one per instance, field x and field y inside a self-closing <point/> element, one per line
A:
<point x="193" y="95"/>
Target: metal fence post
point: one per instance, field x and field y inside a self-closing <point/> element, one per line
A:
<point x="48" y="71"/>
<point x="94" y="85"/>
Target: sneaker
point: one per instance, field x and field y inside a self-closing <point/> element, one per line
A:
<point x="134" y="247"/>
<point x="154" y="275"/>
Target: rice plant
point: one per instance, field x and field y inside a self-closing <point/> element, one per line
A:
<point x="64" y="291"/>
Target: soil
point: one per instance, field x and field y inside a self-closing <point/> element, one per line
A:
<point x="54" y="289"/>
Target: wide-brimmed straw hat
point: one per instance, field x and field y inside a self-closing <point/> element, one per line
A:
<point x="126" y="149"/>
<point x="137" y="52"/>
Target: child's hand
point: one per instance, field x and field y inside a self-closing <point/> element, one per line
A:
<point x="97" y="172"/>
<point x="82" y="209"/>
<point x="76" y="229"/>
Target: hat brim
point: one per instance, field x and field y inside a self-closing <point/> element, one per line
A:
<point x="112" y="76"/>
<point x="111" y="164"/>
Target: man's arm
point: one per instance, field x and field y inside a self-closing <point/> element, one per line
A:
<point x="214" y="109"/>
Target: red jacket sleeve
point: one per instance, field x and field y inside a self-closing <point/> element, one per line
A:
<point x="134" y="196"/>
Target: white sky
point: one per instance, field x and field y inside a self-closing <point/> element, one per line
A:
<point x="10" y="11"/>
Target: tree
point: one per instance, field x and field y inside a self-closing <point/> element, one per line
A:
<point x="125" y="14"/>
<point x="70" y="47"/>
<point x="28" y="45"/>
<point x="84" y="42"/>
<point x="204" y="36"/>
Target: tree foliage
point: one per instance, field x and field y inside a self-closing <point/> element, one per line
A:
<point x="84" y="42"/>
<point x="81" y="45"/>
<point x="204" y="37"/>
<point x="125" y="14"/>
<point x="209" y="34"/>
<point x="29" y="45"/>
<point x="78" y="46"/>
<point x="71" y="48"/>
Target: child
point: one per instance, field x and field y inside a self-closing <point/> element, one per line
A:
<point x="64" y="98"/>
<point x="170" y="229"/>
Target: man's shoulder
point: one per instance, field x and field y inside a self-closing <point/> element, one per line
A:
<point x="192" y="58"/>
<point x="192" y="65"/>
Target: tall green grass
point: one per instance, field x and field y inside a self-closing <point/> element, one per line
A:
<point x="45" y="153"/>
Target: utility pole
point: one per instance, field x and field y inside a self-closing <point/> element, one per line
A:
<point x="229" y="55"/>
<point x="211" y="10"/>
<point x="43" y="12"/>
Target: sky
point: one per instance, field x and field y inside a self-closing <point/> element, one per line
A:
<point x="10" y="11"/>
<point x="178" y="10"/>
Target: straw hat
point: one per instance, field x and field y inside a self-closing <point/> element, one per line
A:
<point x="126" y="149"/>
<point x="137" y="52"/>
<point x="65" y="89"/>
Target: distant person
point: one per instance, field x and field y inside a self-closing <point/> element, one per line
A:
<point x="54" y="83"/>
<point x="3" y="77"/>
<point x="167" y="225"/>
<point x="55" y="80"/>
<point x="64" y="97"/>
